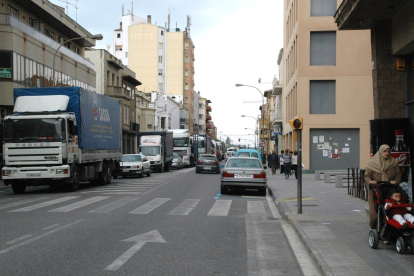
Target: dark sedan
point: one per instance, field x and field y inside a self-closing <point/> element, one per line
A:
<point x="208" y="162"/>
<point x="243" y="173"/>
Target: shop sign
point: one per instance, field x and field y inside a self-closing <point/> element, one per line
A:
<point x="5" y="73"/>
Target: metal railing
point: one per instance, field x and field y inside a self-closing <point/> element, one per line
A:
<point x="356" y="183"/>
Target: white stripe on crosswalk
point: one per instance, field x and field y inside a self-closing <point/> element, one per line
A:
<point x="21" y="202"/>
<point x="114" y="205"/>
<point x="79" y="204"/>
<point x="185" y="207"/>
<point x="256" y="207"/>
<point x="148" y="207"/>
<point x="220" y="208"/>
<point x="114" y="193"/>
<point x="44" y="204"/>
<point x="116" y="190"/>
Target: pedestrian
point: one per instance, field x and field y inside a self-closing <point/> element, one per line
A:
<point x="273" y="161"/>
<point x="286" y="163"/>
<point x="295" y="163"/>
<point x="281" y="161"/>
<point x="381" y="167"/>
<point x="269" y="160"/>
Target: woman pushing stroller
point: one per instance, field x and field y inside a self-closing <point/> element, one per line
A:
<point x="381" y="167"/>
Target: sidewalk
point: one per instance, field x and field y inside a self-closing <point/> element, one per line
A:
<point x="334" y="228"/>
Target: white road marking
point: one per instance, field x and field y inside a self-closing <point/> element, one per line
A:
<point x="141" y="240"/>
<point x="220" y="208"/>
<point x="118" y="193"/>
<point x="302" y="257"/>
<point x="272" y="206"/>
<point x="44" y="204"/>
<point x="79" y="204"/>
<point x="114" y="205"/>
<point x="148" y="207"/>
<point x="20" y="202"/>
<point x="256" y="208"/>
<point x="20" y="239"/>
<point x="51" y="226"/>
<point x="185" y="207"/>
<point x="38" y="237"/>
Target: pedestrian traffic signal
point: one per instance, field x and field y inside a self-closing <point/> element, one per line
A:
<point x="296" y="123"/>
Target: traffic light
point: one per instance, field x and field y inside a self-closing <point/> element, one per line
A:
<point x="296" y="123"/>
<point x="239" y="139"/>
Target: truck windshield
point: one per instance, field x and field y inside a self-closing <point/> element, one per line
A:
<point x="201" y="144"/>
<point x="180" y="142"/>
<point x="150" y="151"/>
<point x="34" y="130"/>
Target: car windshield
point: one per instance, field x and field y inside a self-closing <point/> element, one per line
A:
<point x="150" y="151"/>
<point x="131" y="158"/>
<point x="244" y="154"/>
<point x="207" y="158"/>
<point x="244" y="163"/>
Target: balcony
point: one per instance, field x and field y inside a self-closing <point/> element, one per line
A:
<point x="208" y="117"/>
<point x="208" y="126"/>
<point x="118" y="92"/>
<point x="6" y="19"/>
<point x="208" y="108"/>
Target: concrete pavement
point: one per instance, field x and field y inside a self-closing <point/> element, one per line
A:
<point x="334" y="228"/>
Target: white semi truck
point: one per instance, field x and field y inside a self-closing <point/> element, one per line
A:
<point x="61" y="136"/>
<point x="183" y="146"/>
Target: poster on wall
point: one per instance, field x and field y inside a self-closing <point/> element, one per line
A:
<point x="315" y="139"/>
<point x="337" y="154"/>
<point x="321" y="139"/>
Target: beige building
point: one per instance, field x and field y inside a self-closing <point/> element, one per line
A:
<point x="118" y="81"/>
<point x="328" y="82"/>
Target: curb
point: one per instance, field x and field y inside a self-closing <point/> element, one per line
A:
<point x="317" y="258"/>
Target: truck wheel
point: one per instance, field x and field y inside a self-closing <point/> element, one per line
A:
<point x="103" y="176"/>
<point x="73" y="185"/>
<point x="18" y="188"/>
<point x="109" y="172"/>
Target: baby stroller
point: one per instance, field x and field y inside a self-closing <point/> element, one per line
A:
<point x="388" y="228"/>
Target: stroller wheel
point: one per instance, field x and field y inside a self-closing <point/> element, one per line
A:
<point x="400" y="245"/>
<point x="373" y="238"/>
<point x="410" y="248"/>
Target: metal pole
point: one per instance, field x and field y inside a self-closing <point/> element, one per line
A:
<point x="299" y="171"/>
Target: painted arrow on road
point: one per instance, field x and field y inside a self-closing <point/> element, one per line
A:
<point x="141" y="240"/>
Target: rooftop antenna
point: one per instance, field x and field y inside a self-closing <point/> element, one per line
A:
<point x="122" y="9"/>
<point x="169" y="19"/>
<point x="132" y="8"/>
<point x="188" y="25"/>
<point x="67" y="7"/>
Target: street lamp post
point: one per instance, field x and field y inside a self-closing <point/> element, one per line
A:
<point x="257" y="125"/>
<point x="169" y="114"/>
<point x="255" y="145"/>
<point x="238" y="85"/>
<point x="96" y="37"/>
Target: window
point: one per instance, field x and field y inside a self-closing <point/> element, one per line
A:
<point x="51" y="34"/>
<point x="186" y="86"/>
<point x="186" y="73"/>
<point x="186" y="100"/>
<point x="159" y="72"/>
<point x="161" y="46"/>
<point x="162" y="32"/>
<point x="161" y="86"/>
<point x="35" y="23"/>
<point x="322" y="97"/>
<point x="78" y="51"/>
<point x="126" y="54"/>
<point x="13" y="11"/>
<point x="186" y="59"/>
<point x="126" y="114"/>
<point x="149" y="126"/>
<point x="186" y="45"/>
<point x="160" y="59"/>
<point x="118" y="35"/>
<point x="323" y="7"/>
<point x="323" y="48"/>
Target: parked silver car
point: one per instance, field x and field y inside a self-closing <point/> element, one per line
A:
<point x="177" y="162"/>
<point x="208" y="162"/>
<point x="135" y="164"/>
<point x="243" y="173"/>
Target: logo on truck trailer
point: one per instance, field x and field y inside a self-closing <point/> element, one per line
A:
<point x="101" y="113"/>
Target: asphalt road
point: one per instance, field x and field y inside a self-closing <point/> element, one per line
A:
<point x="172" y="223"/>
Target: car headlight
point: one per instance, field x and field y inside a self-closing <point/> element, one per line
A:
<point x="7" y="172"/>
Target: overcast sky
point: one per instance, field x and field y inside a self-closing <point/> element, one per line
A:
<point x="236" y="41"/>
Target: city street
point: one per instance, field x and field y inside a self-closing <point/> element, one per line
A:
<point x="172" y="223"/>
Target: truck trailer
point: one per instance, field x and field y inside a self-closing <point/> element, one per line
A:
<point x="158" y="147"/>
<point x="60" y="137"/>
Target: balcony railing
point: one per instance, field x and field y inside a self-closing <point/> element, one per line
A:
<point x="277" y="114"/>
<point x="117" y="91"/>
<point x="7" y="19"/>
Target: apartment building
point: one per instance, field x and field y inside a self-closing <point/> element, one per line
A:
<point x="118" y="81"/>
<point x="328" y="82"/>
<point x="162" y="59"/>
<point x="202" y="115"/>
<point x="31" y="32"/>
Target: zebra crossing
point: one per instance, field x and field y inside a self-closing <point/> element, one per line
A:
<point x="219" y="208"/>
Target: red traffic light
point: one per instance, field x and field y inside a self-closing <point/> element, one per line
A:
<point x="239" y="139"/>
<point x="297" y="123"/>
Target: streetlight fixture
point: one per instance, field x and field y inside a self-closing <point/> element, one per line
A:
<point x="95" y="37"/>
<point x="255" y="145"/>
